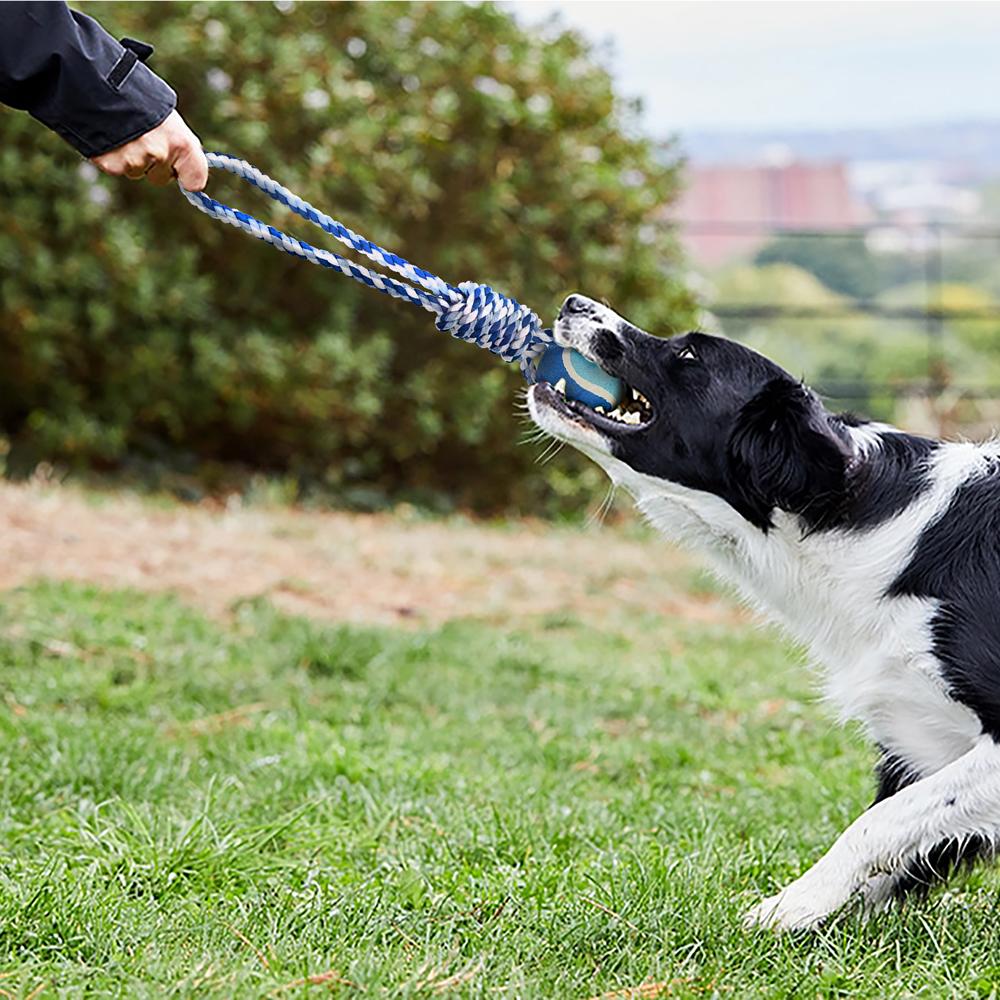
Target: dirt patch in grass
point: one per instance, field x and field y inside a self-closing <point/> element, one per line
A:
<point x="345" y="567"/>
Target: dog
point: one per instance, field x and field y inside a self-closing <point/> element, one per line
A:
<point x="877" y="550"/>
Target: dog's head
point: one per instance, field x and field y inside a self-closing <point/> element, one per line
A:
<point x="701" y="412"/>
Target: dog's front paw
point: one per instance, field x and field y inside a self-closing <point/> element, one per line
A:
<point x="878" y="893"/>
<point x="803" y="905"/>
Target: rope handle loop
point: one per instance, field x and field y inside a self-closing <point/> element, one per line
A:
<point x="469" y="311"/>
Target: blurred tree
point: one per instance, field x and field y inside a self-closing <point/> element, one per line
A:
<point x="859" y="360"/>
<point x="843" y="264"/>
<point x="975" y="262"/>
<point x="970" y="345"/>
<point x="772" y="285"/>
<point x="134" y="328"/>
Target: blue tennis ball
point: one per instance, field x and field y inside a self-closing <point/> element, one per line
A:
<point x="586" y="382"/>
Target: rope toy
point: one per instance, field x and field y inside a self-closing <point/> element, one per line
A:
<point x="472" y="312"/>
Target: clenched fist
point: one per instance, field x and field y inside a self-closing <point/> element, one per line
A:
<point x="170" y="150"/>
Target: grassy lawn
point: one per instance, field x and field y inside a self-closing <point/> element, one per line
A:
<point x="276" y="807"/>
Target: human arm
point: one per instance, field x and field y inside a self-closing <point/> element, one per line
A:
<point x="65" y="70"/>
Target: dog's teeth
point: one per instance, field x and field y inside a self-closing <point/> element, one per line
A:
<point x="560" y="386"/>
<point x="636" y="396"/>
<point x="600" y="409"/>
<point x="633" y="418"/>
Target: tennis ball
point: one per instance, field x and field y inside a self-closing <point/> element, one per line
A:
<point x="586" y="381"/>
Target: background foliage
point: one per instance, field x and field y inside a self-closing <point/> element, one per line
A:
<point x="864" y="326"/>
<point x="137" y="333"/>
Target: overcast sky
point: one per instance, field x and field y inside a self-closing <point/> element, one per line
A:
<point x="813" y="65"/>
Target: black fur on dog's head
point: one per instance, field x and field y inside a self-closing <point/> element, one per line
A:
<point x="721" y="418"/>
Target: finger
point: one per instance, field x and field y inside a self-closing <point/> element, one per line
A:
<point x="136" y="166"/>
<point x="160" y="174"/>
<point x="112" y="163"/>
<point x="191" y="167"/>
<point x="106" y="166"/>
<point x="155" y="149"/>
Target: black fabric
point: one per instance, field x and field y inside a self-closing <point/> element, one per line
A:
<point x="122" y="69"/>
<point x="64" y="69"/>
<point x="142" y="49"/>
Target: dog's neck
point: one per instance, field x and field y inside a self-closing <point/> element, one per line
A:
<point x="816" y="584"/>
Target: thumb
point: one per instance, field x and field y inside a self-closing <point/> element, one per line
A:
<point x="191" y="168"/>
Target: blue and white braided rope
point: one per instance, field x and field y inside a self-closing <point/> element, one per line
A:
<point x="469" y="311"/>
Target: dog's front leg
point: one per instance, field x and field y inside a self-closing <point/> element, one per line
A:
<point x="959" y="801"/>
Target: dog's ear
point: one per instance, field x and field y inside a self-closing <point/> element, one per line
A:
<point x="784" y="453"/>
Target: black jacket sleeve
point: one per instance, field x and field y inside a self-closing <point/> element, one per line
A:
<point x="69" y="73"/>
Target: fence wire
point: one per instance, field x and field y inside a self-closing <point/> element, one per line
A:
<point x="929" y="244"/>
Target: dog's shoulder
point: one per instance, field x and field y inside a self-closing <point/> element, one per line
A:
<point x="955" y="563"/>
<point x="891" y="471"/>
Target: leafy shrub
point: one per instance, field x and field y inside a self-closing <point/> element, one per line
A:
<point x="134" y="329"/>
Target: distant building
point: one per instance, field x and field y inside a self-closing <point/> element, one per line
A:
<point x="910" y="199"/>
<point x="725" y="212"/>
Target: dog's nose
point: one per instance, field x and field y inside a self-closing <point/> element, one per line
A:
<point x="575" y="305"/>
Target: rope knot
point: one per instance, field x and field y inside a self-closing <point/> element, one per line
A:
<point x="475" y="313"/>
<point x="480" y="315"/>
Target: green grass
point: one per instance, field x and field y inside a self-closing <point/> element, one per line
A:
<point x="192" y="809"/>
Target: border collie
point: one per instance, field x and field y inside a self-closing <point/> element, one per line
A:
<point x="877" y="550"/>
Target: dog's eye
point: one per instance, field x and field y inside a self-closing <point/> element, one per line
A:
<point x="687" y="354"/>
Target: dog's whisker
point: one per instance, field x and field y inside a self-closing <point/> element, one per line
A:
<point x="596" y="517"/>
<point x="532" y="435"/>
<point x="550" y="452"/>
<point x="549" y="447"/>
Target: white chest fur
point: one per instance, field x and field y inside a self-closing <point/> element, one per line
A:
<point x="828" y="591"/>
<point x="877" y="666"/>
<point x="875" y="652"/>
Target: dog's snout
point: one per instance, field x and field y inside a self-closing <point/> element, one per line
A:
<point x="575" y="305"/>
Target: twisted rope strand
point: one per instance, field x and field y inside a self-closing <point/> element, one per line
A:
<point x="472" y="312"/>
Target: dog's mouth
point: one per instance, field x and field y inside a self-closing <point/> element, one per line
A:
<point x="586" y="327"/>
<point x="576" y="422"/>
<point x="633" y="413"/>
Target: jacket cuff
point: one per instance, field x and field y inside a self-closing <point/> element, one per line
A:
<point x="140" y="102"/>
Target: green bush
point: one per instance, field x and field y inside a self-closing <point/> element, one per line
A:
<point x="136" y="331"/>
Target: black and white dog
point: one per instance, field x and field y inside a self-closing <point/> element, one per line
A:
<point x="878" y="550"/>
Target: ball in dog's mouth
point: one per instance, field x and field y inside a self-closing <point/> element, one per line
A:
<point x="582" y="379"/>
<point x="633" y="411"/>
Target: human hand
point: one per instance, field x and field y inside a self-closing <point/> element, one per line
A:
<point x="170" y="150"/>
